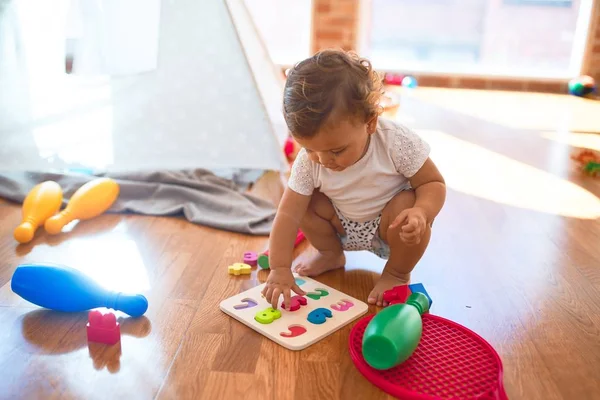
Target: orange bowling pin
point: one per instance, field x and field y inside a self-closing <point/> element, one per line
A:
<point x="42" y="202"/>
<point x="89" y="201"/>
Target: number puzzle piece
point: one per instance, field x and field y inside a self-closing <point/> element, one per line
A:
<point x="250" y="258"/>
<point x="239" y="269"/>
<point x="342" y="305"/>
<point x="263" y="261"/>
<point x="295" y="330"/>
<point x="317" y="294"/>
<point x="295" y="303"/>
<point x="319" y="316"/>
<point x="300" y="282"/>
<point x="246" y="303"/>
<point x="267" y="316"/>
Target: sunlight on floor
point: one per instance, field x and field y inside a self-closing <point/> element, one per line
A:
<point x="582" y="140"/>
<point x="479" y="172"/>
<point x="520" y="110"/>
<point x="122" y="269"/>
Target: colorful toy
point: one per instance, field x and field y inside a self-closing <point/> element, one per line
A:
<point x="589" y="162"/>
<point x="592" y="168"/>
<point x="41" y="203"/>
<point x="450" y="362"/>
<point x="290" y="149"/>
<point x="394" y="333"/>
<point x="89" y="201"/>
<point x="399" y="294"/>
<point x="103" y="328"/>
<point x="409" y="82"/>
<point x="250" y="258"/>
<point x="66" y="289"/>
<point x="295" y="303"/>
<point x="582" y="86"/>
<point x="267" y="316"/>
<point x="263" y="259"/>
<point x="239" y="269"/>
<point x="292" y="329"/>
<point x="319" y="316"/>
<point x="393" y="79"/>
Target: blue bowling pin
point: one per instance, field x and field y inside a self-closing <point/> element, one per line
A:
<point x="66" y="289"/>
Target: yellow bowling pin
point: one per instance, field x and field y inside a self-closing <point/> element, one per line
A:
<point x="89" y="201"/>
<point x="42" y="202"/>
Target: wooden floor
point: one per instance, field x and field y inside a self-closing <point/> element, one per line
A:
<point x="515" y="256"/>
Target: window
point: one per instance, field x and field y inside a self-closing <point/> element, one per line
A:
<point x="489" y="37"/>
<point x="284" y="26"/>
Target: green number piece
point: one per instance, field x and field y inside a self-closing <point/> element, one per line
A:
<point x="317" y="294"/>
<point x="267" y="316"/>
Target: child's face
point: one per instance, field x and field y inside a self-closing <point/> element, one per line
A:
<point x="340" y="145"/>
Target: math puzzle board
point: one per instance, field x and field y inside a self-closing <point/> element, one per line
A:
<point x="330" y="308"/>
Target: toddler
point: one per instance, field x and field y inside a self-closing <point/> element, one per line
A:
<point x="359" y="182"/>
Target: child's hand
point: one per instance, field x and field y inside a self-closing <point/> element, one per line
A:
<point x="281" y="281"/>
<point x="413" y="222"/>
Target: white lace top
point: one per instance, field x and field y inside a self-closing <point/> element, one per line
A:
<point x="361" y="191"/>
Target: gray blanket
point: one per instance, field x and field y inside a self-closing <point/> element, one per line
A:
<point x="199" y="196"/>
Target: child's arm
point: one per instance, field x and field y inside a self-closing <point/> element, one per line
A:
<point x="430" y="191"/>
<point x="291" y="209"/>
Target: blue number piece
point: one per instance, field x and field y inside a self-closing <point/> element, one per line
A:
<point x="319" y="316"/>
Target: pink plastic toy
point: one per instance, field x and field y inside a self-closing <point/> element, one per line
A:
<point x="250" y="258"/>
<point x="103" y="328"/>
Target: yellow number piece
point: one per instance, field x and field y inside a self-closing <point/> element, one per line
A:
<point x="267" y="316"/>
<point x="239" y="269"/>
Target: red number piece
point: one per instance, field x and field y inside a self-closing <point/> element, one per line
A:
<point x="295" y="330"/>
<point x="295" y="303"/>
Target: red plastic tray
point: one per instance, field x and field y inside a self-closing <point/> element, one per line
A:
<point x="451" y="362"/>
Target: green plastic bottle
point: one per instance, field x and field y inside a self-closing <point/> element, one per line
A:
<point x="394" y="333"/>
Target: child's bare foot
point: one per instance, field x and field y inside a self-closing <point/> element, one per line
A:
<point x="387" y="281"/>
<point x="321" y="262"/>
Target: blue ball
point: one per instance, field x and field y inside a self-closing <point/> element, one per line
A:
<point x="409" y="82"/>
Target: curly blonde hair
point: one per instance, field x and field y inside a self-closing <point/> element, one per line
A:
<point x="330" y="81"/>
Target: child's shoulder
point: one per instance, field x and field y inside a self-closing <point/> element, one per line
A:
<point x="388" y="128"/>
<point x="406" y="148"/>
<point x="394" y="134"/>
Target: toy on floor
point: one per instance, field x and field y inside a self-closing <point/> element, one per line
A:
<point x="393" y="79"/>
<point x="250" y="258"/>
<point x="399" y="294"/>
<point x="449" y="362"/>
<point x="592" y="169"/>
<point x="582" y="86"/>
<point x="290" y="149"/>
<point x="103" y="328"/>
<point x="66" y="289"/>
<point x="310" y="318"/>
<point x="41" y="203"/>
<point x="409" y="82"/>
<point x="394" y="333"/>
<point x="89" y="201"/>
<point x="589" y="162"/>
<point x="239" y="269"/>
<point x="263" y="259"/>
